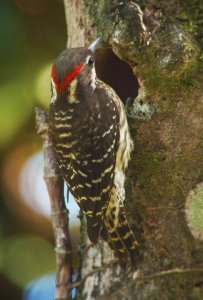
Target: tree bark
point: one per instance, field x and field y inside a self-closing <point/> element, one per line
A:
<point x="59" y="215"/>
<point x="152" y="51"/>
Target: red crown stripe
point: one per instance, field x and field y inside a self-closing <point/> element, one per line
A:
<point x="68" y="78"/>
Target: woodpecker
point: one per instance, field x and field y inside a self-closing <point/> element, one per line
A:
<point x="92" y="143"/>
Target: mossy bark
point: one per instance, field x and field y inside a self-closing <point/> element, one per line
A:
<point x="161" y="43"/>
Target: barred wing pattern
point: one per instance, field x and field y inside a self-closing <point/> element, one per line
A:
<point x="85" y="137"/>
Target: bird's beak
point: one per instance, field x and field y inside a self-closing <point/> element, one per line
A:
<point x="93" y="45"/>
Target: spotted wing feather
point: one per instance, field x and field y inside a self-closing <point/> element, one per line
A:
<point x="86" y="152"/>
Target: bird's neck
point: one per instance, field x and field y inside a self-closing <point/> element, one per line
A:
<point x="81" y="90"/>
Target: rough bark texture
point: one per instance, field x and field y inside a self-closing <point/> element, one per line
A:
<point x="161" y="44"/>
<point x="55" y="187"/>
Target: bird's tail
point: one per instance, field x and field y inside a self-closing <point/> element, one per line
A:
<point x="120" y="236"/>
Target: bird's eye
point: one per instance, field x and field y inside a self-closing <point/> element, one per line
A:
<point x="90" y="60"/>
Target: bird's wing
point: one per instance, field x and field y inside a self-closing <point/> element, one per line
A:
<point x="94" y="166"/>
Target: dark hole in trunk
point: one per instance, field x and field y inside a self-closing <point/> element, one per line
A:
<point x="116" y="73"/>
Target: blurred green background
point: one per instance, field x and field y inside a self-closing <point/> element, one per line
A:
<point x="32" y="33"/>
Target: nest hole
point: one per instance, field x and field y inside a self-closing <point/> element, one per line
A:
<point x="116" y="73"/>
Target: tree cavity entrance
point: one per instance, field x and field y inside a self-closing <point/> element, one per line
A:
<point x="116" y="73"/>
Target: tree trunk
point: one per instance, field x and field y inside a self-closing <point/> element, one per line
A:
<point x="152" y="52"/>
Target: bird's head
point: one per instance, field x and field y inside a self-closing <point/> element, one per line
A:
<point x="74" y="64"/>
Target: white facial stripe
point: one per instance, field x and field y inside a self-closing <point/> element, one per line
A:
<point x="93" y="78"/>
<point x="72" y="98"/>
<point x="54" y="92"/>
